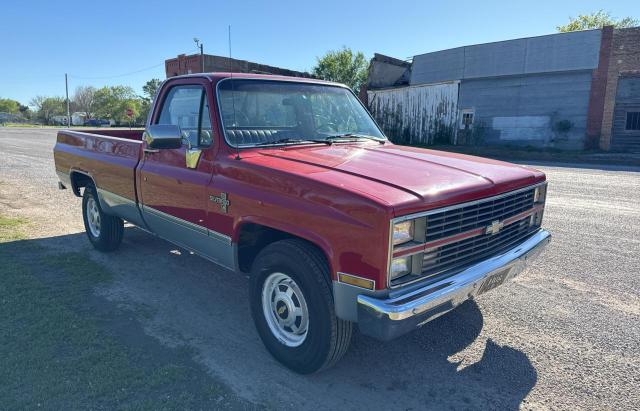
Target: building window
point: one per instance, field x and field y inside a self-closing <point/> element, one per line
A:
<point x="466" y="119"/>
<point x="633" y="121"/>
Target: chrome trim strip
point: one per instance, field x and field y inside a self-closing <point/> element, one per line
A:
<point x="120" y="206"/>
<point x="451" y="291"/>
<point x="172" y="219"/>
<point x="219" y="236"/>
<point x="114" y="196"/>
<point x="188" y="224"/>
<point x="209" y="244"/>
<point x="186" y="247"/>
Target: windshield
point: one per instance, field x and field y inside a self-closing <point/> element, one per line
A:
<point x="264" y="112"/>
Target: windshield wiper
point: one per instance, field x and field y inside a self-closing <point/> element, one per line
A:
<point x="356" y="136"/>
<point x="293" y="141"/>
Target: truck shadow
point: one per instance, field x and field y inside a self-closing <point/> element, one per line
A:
<point x="448" y="363"/>
<point x="188" y="301"/>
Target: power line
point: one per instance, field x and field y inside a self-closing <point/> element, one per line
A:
<point x="124" y="74"/>
<point x="117" y="75"/>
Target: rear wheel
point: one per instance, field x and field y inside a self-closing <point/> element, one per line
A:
<point x="292" y="307"/>
<point x="104" y="231"/>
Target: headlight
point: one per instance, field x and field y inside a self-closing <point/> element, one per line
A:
<point x="400" y="266"/>
<point x="402" y="232"/>
<point x="540" y="195"/>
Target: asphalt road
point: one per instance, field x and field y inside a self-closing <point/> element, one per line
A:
<point x="565" y="334"/>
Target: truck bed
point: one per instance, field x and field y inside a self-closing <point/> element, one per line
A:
<point x="126" y="133"/>
<point x="109" y="156"/>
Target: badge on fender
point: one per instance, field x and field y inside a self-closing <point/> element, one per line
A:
<point x="222" y="200"/>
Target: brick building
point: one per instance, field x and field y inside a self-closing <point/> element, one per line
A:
<point x="184" y="64"/>
<point x="566" y="90"/>
<point x="621" y="112"/>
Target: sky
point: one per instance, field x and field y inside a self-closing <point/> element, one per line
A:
<point x="126" y="42"/>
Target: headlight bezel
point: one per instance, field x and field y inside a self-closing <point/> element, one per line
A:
<point x="539" y="199"/>
<point x="404" y="262"/>
<point x="402" y="232"/>
<point x="540" y="194"/>
<point x="415" y="234"/>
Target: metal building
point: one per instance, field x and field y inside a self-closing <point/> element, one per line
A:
<point x="566" y="90"/>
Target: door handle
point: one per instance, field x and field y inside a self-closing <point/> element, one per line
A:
<point x="150" y="150"/>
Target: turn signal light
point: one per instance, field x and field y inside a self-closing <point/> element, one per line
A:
<point x="356" y="281"/>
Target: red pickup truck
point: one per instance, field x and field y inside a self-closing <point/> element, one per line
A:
<point x="291" y="181"/>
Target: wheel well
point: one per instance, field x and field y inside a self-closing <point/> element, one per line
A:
<point x="78" y="181"/>
<point x="254" y="237"/>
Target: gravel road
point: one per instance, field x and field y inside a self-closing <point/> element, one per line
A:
<point x="565" y="334"/>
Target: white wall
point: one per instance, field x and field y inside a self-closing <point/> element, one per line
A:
<point x="417" y="114"/>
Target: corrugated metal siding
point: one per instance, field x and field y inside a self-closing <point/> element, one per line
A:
<point x="524" y="109"/>
<point x="421" y="114"/>
<point x="544" y="54"/>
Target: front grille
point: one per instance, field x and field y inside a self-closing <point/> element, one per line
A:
<point x="481" y="214"/>
<point x="462" y="253"/>
<point x="447" y="256"/>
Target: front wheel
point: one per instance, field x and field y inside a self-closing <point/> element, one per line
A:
<point x="104" y="231"/>
<point x="292" y="307"/>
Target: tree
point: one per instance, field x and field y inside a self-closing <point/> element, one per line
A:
<point x="343" y="66"/>
<point x="24" y="110"/>
<point x="112" y="103"/>
<point x="9" y="106"/>
<point x="150" y="88"/>
<point x="47" y="107"/>
<point x="596" y="20"/>
<point x="149" y="91"/>
<point x="84" y="99"/>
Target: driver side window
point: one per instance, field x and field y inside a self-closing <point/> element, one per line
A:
<point x="187" y="107"/>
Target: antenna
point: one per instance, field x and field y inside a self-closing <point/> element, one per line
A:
<point x="233" y="94"/>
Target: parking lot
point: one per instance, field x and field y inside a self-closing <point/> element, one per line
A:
<point x="565" y="334"/>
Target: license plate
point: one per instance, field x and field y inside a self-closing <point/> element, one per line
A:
<point x="493" y="281"/>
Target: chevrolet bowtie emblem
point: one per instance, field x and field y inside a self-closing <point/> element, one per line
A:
<point x="222" y="200"/>
<point x="494" y="228"/>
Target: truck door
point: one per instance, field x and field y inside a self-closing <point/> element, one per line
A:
<point x="173" y="181"/>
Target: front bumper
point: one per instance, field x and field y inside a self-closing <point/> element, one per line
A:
<point x="404" y="310"/>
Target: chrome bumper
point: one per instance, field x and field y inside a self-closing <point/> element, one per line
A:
<point x="405" y="309"/>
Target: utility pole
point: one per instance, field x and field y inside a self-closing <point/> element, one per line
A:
<point x="200" y="46"/>
<point x="66" y="87"/>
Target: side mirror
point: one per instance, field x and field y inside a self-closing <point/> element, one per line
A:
<point x="163" y="136"/>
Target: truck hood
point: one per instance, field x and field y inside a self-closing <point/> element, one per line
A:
<point x="421" y="178"/>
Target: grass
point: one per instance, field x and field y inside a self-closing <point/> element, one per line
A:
<point x="64" y="347"/>
<point x="10" y="229"/>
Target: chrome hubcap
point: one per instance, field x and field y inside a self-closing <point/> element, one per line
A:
<point x="93" y="217"/>
<point x="285" y="309"/>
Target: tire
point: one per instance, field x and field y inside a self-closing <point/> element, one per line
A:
<point x="298" y="268"/>
<point x="104" y="231"/>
